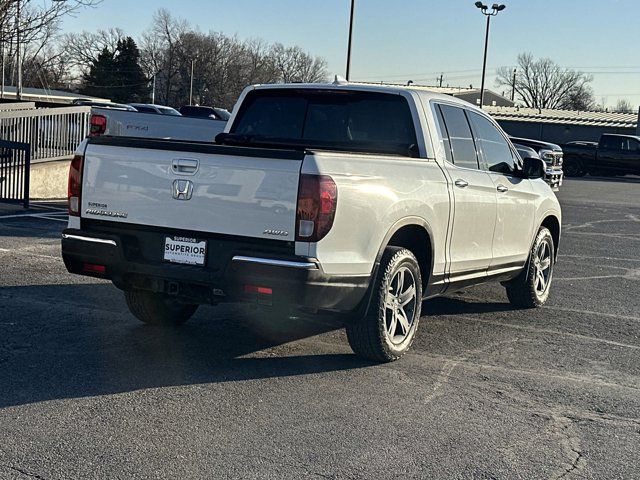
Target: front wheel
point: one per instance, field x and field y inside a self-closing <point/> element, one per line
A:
<point x="573" y="168"/>
<point x="387" y="330"/>
<point x="158" y="309"/>
<point x="531" y="288"/>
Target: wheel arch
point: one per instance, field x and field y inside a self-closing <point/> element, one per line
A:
<point x="415" y="234"/>
<point x="553" y="224"/>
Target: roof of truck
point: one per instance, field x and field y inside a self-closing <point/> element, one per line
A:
<point x="367" y="87"/>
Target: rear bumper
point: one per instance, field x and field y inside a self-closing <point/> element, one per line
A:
<point x="293" y="281"/>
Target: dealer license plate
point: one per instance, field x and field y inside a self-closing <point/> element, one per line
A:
<point x="189" y="251"/>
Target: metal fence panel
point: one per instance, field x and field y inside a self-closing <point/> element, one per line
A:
<point x="52" y="133"/>
<point x="15" y="164"/>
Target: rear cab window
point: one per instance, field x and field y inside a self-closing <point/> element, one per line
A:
<point x="459" y="145"/>
<point x="341" y="120"/>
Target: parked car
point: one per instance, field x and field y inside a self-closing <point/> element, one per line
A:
<point x="386" y="196"/>
<point x="551" y="154"/>
<point x="155" y="109"/>
<point x="107" y="105"/>
<point x="205" y="112"/>
<point x="612" y="155"/>
<point x="129" y="124"/>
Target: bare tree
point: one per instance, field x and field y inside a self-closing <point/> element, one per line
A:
<point x="36" y="16"/>
<point x="160" y="46"/>
<point x="38" y="24"/>
<point x="295" y="65"/>
<point x="624" y="106"/>
<point x="544" y="84"/>
<point x="82" y="49"/>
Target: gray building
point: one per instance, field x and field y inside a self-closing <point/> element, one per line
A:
<point x="562" y="126"/>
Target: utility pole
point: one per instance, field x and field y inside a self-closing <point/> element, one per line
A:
<point x="18" y="59"/>
<point x="2" y="86"/>
<point x="153" y="89"/>
<point x="353" y="6"/>
<point x="191" y="89"/>
<point x="638" y="124"/>
<point x="440" y="80"/>
<point x="513" y="85"/>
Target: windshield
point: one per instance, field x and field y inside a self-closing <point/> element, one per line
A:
<point x="328" y="119"/>
<point x="169" y="111"/>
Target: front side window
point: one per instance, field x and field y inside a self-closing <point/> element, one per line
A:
<point x="329" y="119"/>
<point x="497" y="152"/>
<point x="460" y="138"/>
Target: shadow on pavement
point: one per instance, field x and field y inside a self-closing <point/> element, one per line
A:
<point x="67" y="341"/>
<point x="455" y="306"/>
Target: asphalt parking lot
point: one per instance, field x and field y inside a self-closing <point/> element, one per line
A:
<point x="487" y="392"/>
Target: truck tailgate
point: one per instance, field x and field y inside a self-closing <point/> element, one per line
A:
<point x="196" y="187"/>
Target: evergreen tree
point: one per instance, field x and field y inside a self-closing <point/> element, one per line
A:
<point x="117" y="75"/>
<point x="132" y="83"/>
<point x="101" y="77"/>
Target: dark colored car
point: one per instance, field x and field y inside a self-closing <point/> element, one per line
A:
<point x="205" y="112"/>
<point x="550" y="153"/>
<point x="155" y="109"/>
<point x="612" y="155"/>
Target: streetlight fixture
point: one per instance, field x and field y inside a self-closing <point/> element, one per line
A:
<point x="495" y="9"/>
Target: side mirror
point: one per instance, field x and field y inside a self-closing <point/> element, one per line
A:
<point x="533" y="168"/>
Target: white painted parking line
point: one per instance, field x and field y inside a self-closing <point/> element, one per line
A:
<point x="51" y="217"/>
<point x="27" y="215"/>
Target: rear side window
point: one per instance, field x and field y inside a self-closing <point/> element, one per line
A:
<point x="497" y="152"/>
<point x="460" y="139"/>
<point x="329" y="119"/>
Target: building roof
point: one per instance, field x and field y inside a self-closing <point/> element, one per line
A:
<point x="454" y="91"/>
<point x="48" y="96"/>
<point x="569" y="117"/>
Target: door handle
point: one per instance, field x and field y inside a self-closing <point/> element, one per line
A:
<point x="501" y="188"/>
<point x="184" y="166"/>
<point x="461" y="183"/>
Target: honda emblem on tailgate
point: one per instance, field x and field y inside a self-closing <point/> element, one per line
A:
<point x="182" y="189"/>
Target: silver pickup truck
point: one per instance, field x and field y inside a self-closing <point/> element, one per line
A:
<point x="352" y="199"/>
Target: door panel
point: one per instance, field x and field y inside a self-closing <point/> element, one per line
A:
<point x="515" y="211"/>
<point x="473" y="222"/>
<point x="474" y="199"/>
<point x="514" y="222"/>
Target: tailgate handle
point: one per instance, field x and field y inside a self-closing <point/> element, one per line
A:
<point x="184" y="166"/>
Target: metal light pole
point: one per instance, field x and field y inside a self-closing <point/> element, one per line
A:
<point x="353" y="6"/>
<point x="191" y="88"/>
<point x="495" y="8"/>
<point x="18" y="59"/>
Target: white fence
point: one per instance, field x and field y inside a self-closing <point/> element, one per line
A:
<point x="52" y="133"/>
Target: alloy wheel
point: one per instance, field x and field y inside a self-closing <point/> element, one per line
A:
<point x="400" y="306"/>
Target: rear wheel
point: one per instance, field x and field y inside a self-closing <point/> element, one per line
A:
<point x="531" y="288"/>
<point x="387" y="330"/>
<point x="157" y="309"/>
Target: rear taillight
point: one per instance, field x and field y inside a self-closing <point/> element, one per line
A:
<point x="74" y="187"/>
<point x="317" y="203"/>
<point x="97" y="125"/>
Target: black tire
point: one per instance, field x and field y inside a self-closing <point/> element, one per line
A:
<point x="374" y="335"/>
<point x="158" y="309"/>
<point x="526" y="291"/>
<point x="573" y="167"/>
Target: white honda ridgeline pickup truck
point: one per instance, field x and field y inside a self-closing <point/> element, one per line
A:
<point x="353" y="199"/>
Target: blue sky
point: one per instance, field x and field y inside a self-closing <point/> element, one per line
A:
<point x="418" y="39"/>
